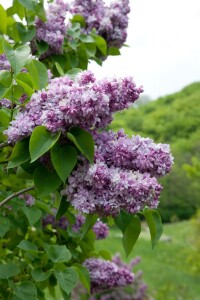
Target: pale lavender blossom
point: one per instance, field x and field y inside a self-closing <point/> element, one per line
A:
<point x="106" y="274"/>
<point x="84" y="102"/>
<point x="4" y="63"/>
<point x="106" y="190"/>
<point x="5" y="103"/>
<point x="30" y="200"/>
<point x="135" y="153"/>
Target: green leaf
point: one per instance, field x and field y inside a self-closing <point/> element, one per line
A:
<point x="59" y="253"/>
<point x="90" y="49"/>
<point x="155" y="225"/>
<point x="64" y="159"/>
<point x="101" y="44"/>
<point x="3" y="18"/>
<point x="38" y="73"/>
<point x="4" y="118"/>
<point x="105" y="255"/>
<point x="5" y="226"/>
<point x="78" y="19"/>
<point x="113" y="51"/>
<point x="16" y="8"/>
<point x="33" y="214"/>
<point x="131" y="235"/>
<point x="26" y="35"/>
<point x="8" y="270"/>
<point x="73" y="72"/>
<point x="82" y="57"/>
<point x="64" y="205"/>
<point x="4" y="90"/>
<point x="73" y="60"/>
<point x="26" y="291"/>
<point x="41" y="141"/>
<point x="27" y="89"/>
<point x="18" y="57"/>
<point x="122" y="220"/>
<point x="46" y="181"/>
<point x="42" y="47"/>
<point x="84" y="275"/>
<point x="90" y="220"/>
<point x="39" y="275"/>
<point x="86" y="38"/>
<point x="27" y="246"/>
<point x="1" y="44"/>
<point x="59" y="68"/>
<point x="67" y="279"/>
<point x="20" y="153"/>
<point x="5" y="78"/>
<point x="83" y="140"/>
<point x="36" y="7"/>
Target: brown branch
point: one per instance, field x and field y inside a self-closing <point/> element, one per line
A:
<point x="2" y="203"/>
<point x="4" y="144"/>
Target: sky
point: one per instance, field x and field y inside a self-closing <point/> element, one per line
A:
<point x="164" y="46"/>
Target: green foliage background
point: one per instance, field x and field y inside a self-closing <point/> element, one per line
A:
<point x="173" y="119"/>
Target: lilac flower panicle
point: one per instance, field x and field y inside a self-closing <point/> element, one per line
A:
<point x="53" y="30"/>
<point x="135" y="153"/>
<point x="84" y="102"/>
<point x="106" y="274"/>
<point x="106" y="190"/>
<point x="101" y="230"/>
<point x="110" y="22"/>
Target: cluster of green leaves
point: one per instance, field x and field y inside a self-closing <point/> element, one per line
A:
<point x="130" y="226"/>
<point x="34" y="258"/>
<point x="173" y="119"/>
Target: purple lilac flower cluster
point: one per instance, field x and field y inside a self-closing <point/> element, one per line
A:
<point x="53" y="30"/>
<point x="137" y="290"/>
<point x="135" y="153"/>
<point x="4" y="63"/>
<point x="100" y="229"/>
<point x="106" y="274"/>
<point x="123" y="175"/>
<point x="106" y="190"/>
<point x="110" y="22"/>
<point x="84" y="102"/>
<point x="30" y="200"/>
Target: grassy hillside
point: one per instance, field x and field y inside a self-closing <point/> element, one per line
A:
<point x="166" y="269"/>
<point x="174" y="119"/>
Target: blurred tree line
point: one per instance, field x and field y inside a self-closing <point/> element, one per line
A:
<point x="173" y="119"/>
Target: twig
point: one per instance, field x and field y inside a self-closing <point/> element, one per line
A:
<point x="2" y="203"/>
<point x="4" y="144"/>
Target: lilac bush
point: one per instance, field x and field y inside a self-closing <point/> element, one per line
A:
<point x="54" y="142"/>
